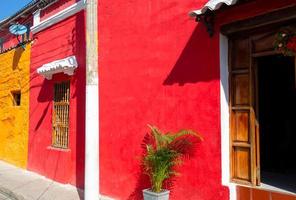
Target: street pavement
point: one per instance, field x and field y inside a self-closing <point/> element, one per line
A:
<point x="4" y="197"/>
<point x="19" y="184"/>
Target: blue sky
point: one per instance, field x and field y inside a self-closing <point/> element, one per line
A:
<point x="9" y="7"/>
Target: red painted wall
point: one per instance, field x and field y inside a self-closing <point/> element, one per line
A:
<point x="58" y="41"/>
<point x="9" y="40"/>
<point x="55" y="8"/>
<point x="158" y="66"/>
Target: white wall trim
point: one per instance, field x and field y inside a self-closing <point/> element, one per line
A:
<point x="224" y="109"/>
<point x="105" y="198"/>
<point x="224" y="112"/>
<point x="36" y="17"/>
<point x="56" y="18"/>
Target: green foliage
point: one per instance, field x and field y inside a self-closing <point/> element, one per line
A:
<point x="285" y="43"/>
<point x="164" y="153"/>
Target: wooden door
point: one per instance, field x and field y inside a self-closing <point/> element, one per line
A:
<point x="244" y="135"/>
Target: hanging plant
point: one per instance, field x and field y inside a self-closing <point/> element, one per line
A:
<point x="285" y="42"/>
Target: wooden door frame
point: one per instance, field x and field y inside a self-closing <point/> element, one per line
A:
<point x="277" y="17"/>
<point x="256" y="27"/>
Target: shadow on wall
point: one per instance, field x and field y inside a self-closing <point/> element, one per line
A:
<point x="44" y="96"/>
<point x="16" y="57"/>
<point x="143" y="179"/>
<point x="196" y="62"/>
<point x="189" y="151"/>
<point x="79" y="94"/>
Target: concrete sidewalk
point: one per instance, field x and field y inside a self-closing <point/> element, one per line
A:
<point x="19" y="184"/>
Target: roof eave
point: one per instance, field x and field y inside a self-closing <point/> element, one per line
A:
<point x="29" y="8"/>
<point x="19" y="13"/>
<point x="212" y="5"/>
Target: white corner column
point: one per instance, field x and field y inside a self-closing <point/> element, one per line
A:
<point x="91" y="182"/>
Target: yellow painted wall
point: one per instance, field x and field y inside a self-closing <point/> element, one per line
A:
<point x="14" y="120"/>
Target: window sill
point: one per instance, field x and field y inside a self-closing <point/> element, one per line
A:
<point x="266" y="187"/>
<point x="271" y="188"/>
<point x="58" y="149"/>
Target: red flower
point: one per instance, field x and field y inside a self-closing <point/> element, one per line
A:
<point x="291" y="45"/>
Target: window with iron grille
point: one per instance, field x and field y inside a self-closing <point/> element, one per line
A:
<point x="60" y="117"/>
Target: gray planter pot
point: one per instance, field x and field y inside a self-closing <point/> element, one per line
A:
<point x="149" y="195"/>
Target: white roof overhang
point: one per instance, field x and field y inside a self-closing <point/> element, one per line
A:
<point x="66" y="66"/>
<point x="212" y="5"/>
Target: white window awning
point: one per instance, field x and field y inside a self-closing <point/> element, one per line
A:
<point x="212" y="5"/>
<point x="66" y="66"/>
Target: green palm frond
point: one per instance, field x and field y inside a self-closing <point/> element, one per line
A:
<point x="184" y="132"/>
<point x="166" y="153"/>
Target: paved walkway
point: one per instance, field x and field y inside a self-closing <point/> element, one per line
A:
<point x="19" y="184"/>
<point x="4" y="197"/>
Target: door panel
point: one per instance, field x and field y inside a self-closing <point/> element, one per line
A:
<point x="241" y="59"/>
<point x="241" y="126"/>
<point x="241" y="89"/>
<point x="244" y="165"/>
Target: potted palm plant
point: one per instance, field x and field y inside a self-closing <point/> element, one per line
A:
<point x="163" y="153"/>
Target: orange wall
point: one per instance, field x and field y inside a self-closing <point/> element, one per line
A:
<point x="14" y="120"/>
